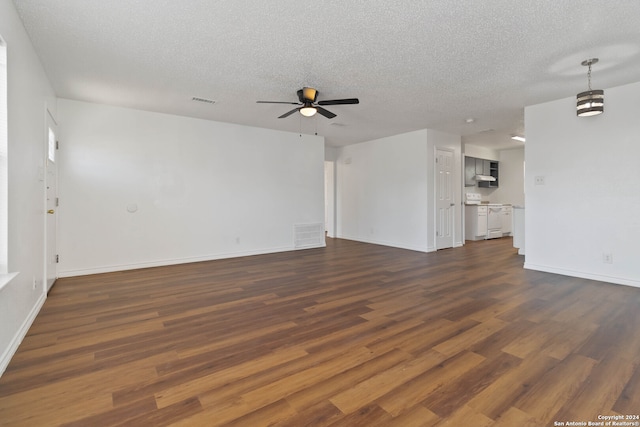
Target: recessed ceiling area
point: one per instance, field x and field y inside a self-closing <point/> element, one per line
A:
<point x="412" y="64"/>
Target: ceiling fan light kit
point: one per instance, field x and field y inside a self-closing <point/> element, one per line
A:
<point x="308" y="110"/>
<point x="590" y="102"/>
<point x="309" y="107"/>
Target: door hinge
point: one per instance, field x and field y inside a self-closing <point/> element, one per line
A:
<point x="57" y="259"/>
<point x="57" y="202"/>
<point x="57" y="145"/>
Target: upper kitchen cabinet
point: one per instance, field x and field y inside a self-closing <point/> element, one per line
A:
<point x="493" y="172"/>
<point x="485" y="168"/>
<point x="469" y="171"/>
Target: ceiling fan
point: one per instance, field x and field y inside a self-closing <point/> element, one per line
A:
<point x="307" y="99"/>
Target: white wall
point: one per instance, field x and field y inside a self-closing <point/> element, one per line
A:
<point x="386" y="190"/>
<point x="202" y="189"/>
<point x="29" y="92"/>
<point x="589" y="203"/>
<point x="481" y="152"/>
<point x="383" y="191"/>
<point x="511" y="189"/>
<point x="330" y="153"/>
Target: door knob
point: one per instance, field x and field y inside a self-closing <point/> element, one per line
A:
<point x="51" y="211"/>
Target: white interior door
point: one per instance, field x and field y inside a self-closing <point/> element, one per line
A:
<point x="51" y="182"/>
<point x="445" y="205"/>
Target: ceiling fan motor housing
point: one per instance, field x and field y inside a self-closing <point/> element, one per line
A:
<point x="307" y="94"/>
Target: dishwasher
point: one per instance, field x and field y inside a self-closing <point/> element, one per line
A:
<point x="494" y="221"/>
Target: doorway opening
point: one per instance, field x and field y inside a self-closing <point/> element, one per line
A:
<point x="51" y="195"/>
<point x="330" y="199"/>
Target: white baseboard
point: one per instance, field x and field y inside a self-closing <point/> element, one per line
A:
<point x="583" y="275"/>
<point x="399" y="245"/>
<point x="162" y="263"/>
<point x="21" y="333"/>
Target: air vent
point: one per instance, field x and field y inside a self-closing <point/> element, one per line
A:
<point x="308" y="235"/>
<point x="338" y="124"/>
<point x="205" y="100"/>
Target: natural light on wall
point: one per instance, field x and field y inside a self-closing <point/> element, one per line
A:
<point x="3" y="159"/>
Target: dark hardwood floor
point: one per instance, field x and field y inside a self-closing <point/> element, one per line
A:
<point x="349" y="335"/>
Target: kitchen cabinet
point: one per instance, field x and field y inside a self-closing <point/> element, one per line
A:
<point x="490" y="168"/>
<point x="469" y="171"/>
<point x="475" y="222"/>
<point x="474" y="166"/>
<point x="483" y="167"/>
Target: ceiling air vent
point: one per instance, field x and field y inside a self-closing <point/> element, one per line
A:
<point x="205" y="100"/>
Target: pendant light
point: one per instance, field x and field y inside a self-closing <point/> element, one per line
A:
<point x="590" y="102"/>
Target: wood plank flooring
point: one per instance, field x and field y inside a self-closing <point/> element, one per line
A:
<point x="349" y="335"/>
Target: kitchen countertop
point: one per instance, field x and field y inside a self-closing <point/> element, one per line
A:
<point x="487" y="204"/>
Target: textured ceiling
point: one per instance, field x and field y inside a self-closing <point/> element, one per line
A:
<point x="413" y="64"/>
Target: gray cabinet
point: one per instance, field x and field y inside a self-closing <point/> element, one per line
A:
<point x="483" y="166"/>
<point x="491" y="169"/>
<point x="469" y="171"/>
<point x="474" y="166"/>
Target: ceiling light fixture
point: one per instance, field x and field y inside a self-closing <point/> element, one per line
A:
<point x="518" y="138"/>
<point x="590" y="102"/>
<point x="308" y="110"/>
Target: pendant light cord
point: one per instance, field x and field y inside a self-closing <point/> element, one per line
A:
<point x="589" y="63"/>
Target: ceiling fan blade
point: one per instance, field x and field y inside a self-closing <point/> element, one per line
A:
<point x="339" y="101"/>
<point x="277" y="102"/>
<point x="288" y="113"/>
<point x="328" y="114"/>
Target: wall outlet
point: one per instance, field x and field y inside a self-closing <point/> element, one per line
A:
<point x="607" y="257"/>
<point x="35" y="283"/>
<point x="539" y="180"/>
